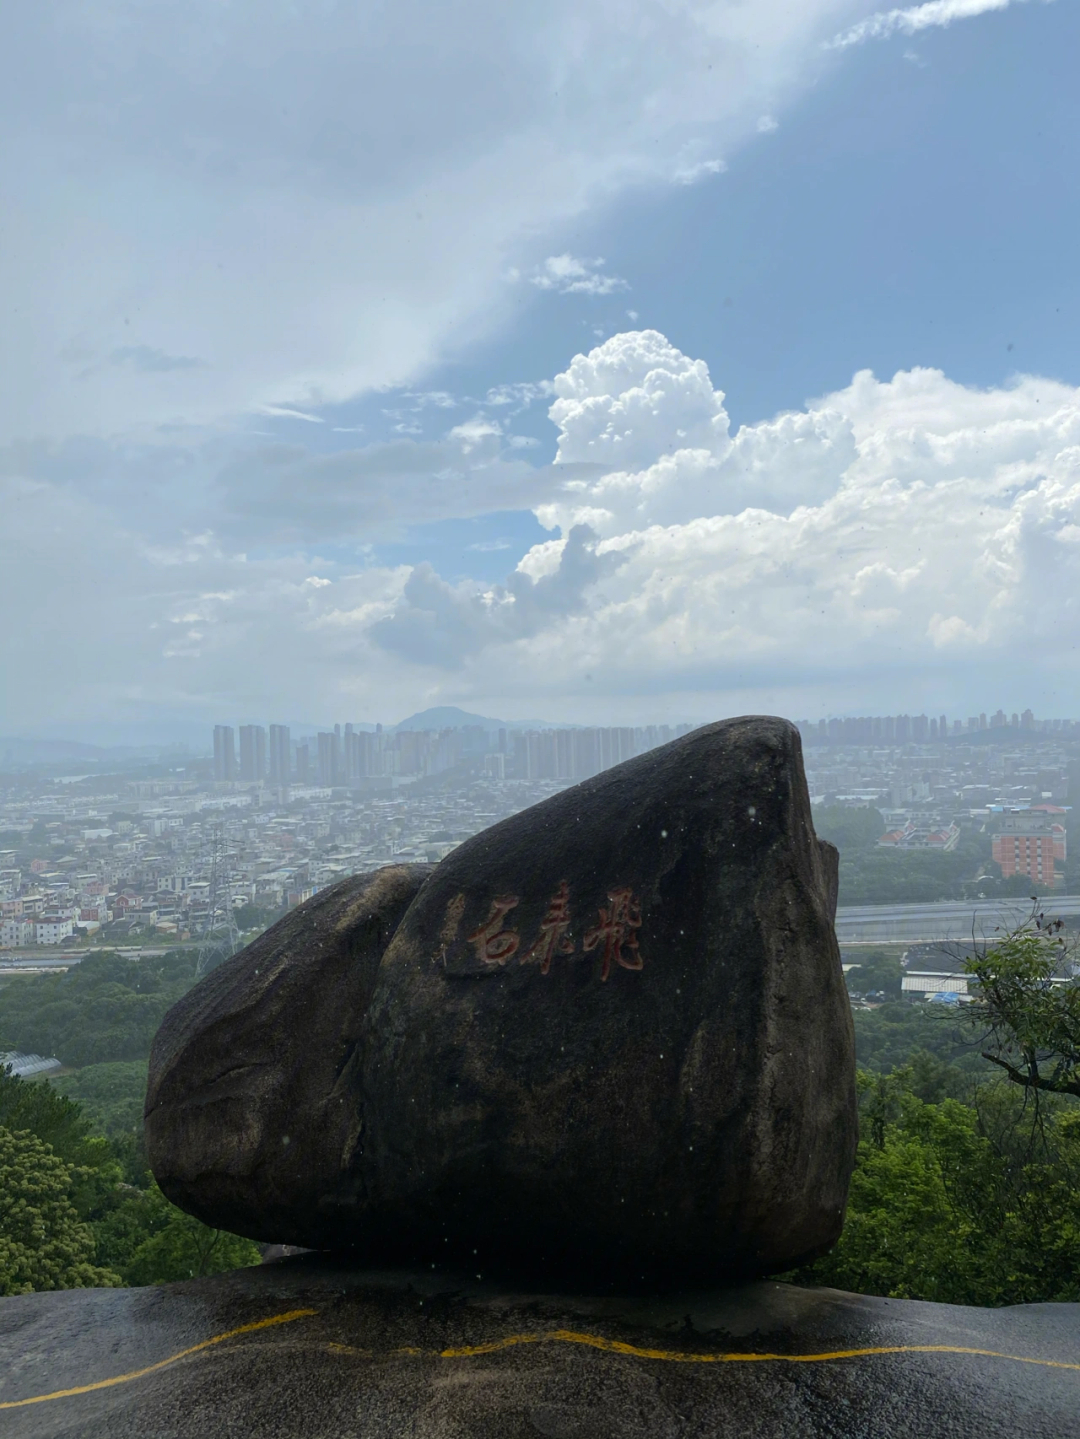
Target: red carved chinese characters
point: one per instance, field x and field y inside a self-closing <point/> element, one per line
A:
<point x="617" y="931"/>
<point x="495" y="945"/>
<point x="553" y="938"/>
<point x="614" y="935"/>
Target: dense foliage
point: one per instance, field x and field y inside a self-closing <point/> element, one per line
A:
<point x="253" y="918"/>
<point x="79" y="1208"/>
<point x="1030" y="1007"/>
<point x="878" y="875"/>
<point x="962" y="1203"/>
<point x="99" y="1219"/>
<point x="888" y="1037"/>
<point x="43" y="1242"/>
<point x="149" y="1241"/>
<point x="967" y="1185"/>
<point x="104" y="1009"/>
<point x="110" y="1096"/>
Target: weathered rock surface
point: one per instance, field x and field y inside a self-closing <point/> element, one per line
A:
<point x="610" y="1035"/>
<point x="436" y="1355"/>
<point x="253" y="1105"/>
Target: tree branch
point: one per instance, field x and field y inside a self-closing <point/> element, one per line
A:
<point x="1029" y="1081"/>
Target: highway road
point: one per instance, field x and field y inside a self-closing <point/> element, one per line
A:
<point x="912" y="923"/>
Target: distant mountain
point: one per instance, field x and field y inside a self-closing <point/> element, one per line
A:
<point x="451" y="717"/>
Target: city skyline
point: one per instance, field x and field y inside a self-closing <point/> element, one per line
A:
<point x="109" y="858"/>
<point x="849" y="728"/>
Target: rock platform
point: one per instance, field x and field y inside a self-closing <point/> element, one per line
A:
<point x="307" y="1349"/>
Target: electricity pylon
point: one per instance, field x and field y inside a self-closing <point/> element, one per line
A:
<point x="221" y="938"/>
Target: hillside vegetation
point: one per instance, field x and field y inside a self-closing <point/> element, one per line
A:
<point x="104" y="1009"/>
<point x="873" y="874"/>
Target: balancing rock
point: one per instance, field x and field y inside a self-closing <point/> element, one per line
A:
<point x="609" y="1035"/>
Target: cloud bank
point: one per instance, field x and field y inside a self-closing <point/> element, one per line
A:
<point x="899" y="542"/>
<point x="890" y="530"/>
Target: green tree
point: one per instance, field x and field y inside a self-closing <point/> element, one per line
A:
<point x="887" y="1037"/>
<point x="961" y="1203"/>
<point x="921" y="1220"/>
<point x="43" y="1242"/>
<point x="110" y="1096"/>
<point x="106" y="1212"/>
<point x="152" y="1242"/>
<point x="879" y="875"/>
<point x="56" y="1120"/>
<point x="877" y="972"/>
<point x="1029" y="1009"/>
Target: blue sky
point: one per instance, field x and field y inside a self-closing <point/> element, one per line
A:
<point x="917" y="207"/>
<point x="278" y="366"/>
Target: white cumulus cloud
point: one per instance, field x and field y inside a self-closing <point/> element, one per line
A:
<point x="898" y="528"/>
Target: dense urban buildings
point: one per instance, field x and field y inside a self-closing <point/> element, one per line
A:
<point x="926" y="729"/>
<point x="348" y="753"/>
<point x="166" y="852"/>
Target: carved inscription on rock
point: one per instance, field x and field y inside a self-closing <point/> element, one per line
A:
<point x="616" y="933"/>
<point x="494" y="944"/>
<point x="554" y="937"/>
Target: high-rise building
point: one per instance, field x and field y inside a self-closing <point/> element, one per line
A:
<point x="303" y="763"/>
<point x="359" y="754"/>
<point x="280" y="754"/>
<point x="224" y="752"/>
<point x="252" y="753"/>
<point x="328" y="759"/>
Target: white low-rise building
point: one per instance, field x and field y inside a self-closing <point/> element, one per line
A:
<point x="52" y="931"/>
<point x="16" y="930"/>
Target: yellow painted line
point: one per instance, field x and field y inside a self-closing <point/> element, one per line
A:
<point x="678" y="1356"/>
<point x="271" y="1323"/>
<point x="553" y="1336"/>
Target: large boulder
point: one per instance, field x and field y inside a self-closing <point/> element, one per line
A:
<point x="253" y="1105"/>
<point x="612" y="1032"/>
<point x="610" y="1035"/>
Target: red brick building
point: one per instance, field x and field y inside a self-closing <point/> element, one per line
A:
<point x="1029" y="841"/>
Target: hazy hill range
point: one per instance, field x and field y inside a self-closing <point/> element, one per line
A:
<point x="451" y="717"/>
